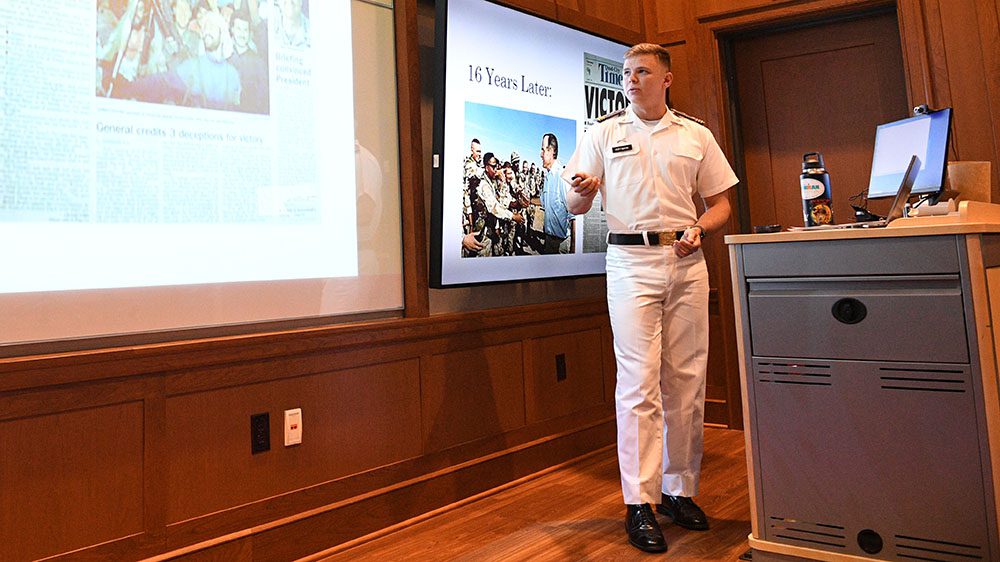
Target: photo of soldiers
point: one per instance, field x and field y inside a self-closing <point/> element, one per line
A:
<point x="194" y="53"/>
<point x="504" y="212"/>
<point x="501" y="218"/>
<point x="473" y="212"/>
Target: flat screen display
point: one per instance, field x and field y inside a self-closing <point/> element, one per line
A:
<point x="924" y="136"/>
<point x="517" y="94"/>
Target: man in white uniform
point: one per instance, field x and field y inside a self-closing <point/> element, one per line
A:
<point x="648" y="162"/>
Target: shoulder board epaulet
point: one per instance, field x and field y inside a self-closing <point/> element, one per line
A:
<point x="686" y="116"/>
<point x="605" y="117"/>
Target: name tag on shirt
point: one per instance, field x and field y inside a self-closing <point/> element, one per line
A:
<point x="621" y="148"/>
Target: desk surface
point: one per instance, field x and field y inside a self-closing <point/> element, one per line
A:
<point x="972" y="218"/>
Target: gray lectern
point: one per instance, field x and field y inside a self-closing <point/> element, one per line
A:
<point x="870" y="391"/>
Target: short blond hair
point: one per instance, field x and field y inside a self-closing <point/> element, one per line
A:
<point x="657" y="51"/>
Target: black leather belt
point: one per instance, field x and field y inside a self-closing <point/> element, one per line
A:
<point x="667" y="238"/>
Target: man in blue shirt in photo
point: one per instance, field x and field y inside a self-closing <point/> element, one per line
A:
<point x="558" y="220"/>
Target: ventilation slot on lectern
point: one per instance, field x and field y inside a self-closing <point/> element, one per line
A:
<point x="808" y="374"/>
<point x="808" y="534"/>
<point x="923" y="380"/>
<point x="914" y="548"/>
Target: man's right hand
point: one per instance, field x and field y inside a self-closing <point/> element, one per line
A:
<point x="470" y="243"/>
<point x="584" y="188"/>
<point x="586" y="185"/>
<point x="518" y="218"/>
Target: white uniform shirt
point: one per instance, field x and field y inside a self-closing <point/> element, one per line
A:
<point x="651" y="173"/>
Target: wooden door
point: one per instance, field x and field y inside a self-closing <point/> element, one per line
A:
<point x="822" y="88"/>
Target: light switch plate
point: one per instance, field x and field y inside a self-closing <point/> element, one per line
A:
<point x="293" y="427"/>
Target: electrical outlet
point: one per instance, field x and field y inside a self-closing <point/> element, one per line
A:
<point x="260" y="433"/>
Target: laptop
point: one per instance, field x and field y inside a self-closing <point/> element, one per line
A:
<point x="895" y="212"/>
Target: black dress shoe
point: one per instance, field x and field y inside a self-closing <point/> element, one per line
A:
<point x="684" y="512"/>
<point x="643" y="531"/>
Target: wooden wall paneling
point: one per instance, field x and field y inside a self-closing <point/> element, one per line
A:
<point x="352" y="420"/>
<point x="624" y="13"/>
<point x="344" y="357"/>
<point x="21" y="373"/>
<point x="988" y="17"/>
<point x="717" y="379"/>
<point x="665" y="19"/>
<point x="573" y="5"/>
<point x="500" y="452"/>
<point x="278" y="370"/>
<point x="543" y="8"/>
<point x="750" y="13"/>
<point x="619" y="21"/>
<point x="411" y="167"/>
<point x="728" y="333"/>
<point x="723" y="368"/>
<point x="372" y="414"/>
<point x="720" y="8"/>
<point x="371" y="513"/>
<point x="783" y="13"/>
<point x="156" y="460"/>
<point x="71" y="478"/>
<point x="17" y="405"/>
<point x="916" y="50"/>
<point x="950" y="54"/>
<point x="238" y="550"/>
<point x="925" y="36"/>
<point x="683" y="90"/>
<point x="967" y="53"/>
<point x="549" y="396"/>
<point x="471" y="394"/>
<point x="707" y="81"/>
<point x="762" y="208"/>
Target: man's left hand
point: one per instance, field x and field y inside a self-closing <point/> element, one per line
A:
<point x="689" y="243"/>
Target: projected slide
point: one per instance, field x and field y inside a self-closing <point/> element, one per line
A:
<point x="519" y="93"/>
<point x="173" y="142"/>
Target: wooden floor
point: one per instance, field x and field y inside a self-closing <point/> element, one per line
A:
<point x="573" y="512"/>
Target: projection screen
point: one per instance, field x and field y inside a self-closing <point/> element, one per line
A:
<point x="173" y="164"/>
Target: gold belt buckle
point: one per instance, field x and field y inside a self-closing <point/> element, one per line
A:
<point x="665" y="238"/>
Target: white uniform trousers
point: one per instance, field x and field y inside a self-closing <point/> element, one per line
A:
<point x="658" y="305"/>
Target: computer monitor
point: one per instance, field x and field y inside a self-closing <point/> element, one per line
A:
<point x="923" y="135"/>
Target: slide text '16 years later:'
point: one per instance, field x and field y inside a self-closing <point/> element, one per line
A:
<point x="478" y="73"/>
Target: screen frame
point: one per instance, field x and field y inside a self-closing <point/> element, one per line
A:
<point x="933" y="193"/>
<point x="438" y="154"/>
